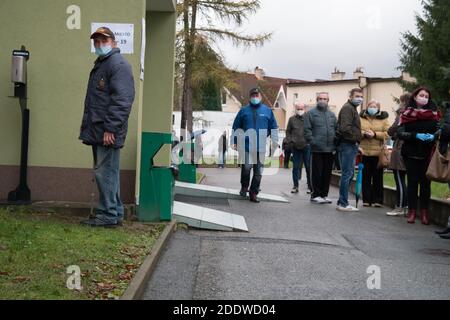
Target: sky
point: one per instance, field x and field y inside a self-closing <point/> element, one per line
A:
<point x="312" y="37"/>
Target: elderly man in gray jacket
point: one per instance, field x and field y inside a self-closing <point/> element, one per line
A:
<point x="320" y="128"/>
<point x="295" y="137"/>
<point x="110" y="95"/>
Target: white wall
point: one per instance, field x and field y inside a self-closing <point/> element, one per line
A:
<point x="215" y="123"/>
<point x="307" y="94"/>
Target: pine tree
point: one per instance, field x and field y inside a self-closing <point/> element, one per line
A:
<point x="199" y="20"/>
<point x="211" y="96"/>
<point x="426" y="56"/>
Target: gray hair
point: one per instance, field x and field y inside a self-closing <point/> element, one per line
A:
<point x="373" y="101"/>
<point x="319" y="93"/>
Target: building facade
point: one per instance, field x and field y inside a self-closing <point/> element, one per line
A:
<point x="56" y="32"/>
<point x="384" y="90"/>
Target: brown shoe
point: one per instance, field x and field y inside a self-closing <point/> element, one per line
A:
<point x="424" y="217"/>
<point x="412" y="216"/>
<point x="254" y="198"/>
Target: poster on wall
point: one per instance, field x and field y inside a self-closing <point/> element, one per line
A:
<point x="124" y="33"/>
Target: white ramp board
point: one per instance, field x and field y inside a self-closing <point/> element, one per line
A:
<point x="200" y="190"/>
<point x="205" y="218"/>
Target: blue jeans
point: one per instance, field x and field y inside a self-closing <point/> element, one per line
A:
<point x="300" y="157"/>
<point x="347" y="157"/>
<point x="107" y="175"/>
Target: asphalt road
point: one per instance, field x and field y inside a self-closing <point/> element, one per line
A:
<point x="301" y="251"/>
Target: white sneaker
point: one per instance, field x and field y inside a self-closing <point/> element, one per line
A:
<point x="327" y="200"/>
<point x="348" y="208"/>
<point x="396" y="212"/>
<point x="318" y="200"/>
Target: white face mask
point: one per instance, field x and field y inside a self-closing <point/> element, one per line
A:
<point x="300" y="112"/>
<point x="421" y="101"/>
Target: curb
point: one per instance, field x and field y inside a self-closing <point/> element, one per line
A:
<point x="137" y="285"/>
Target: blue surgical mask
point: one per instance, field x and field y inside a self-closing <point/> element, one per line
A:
<point x="322" y="105"/>
<point x="255" y="101"/>
<point x="357" y="101"/>
<point x="372" y="111"/>
<point x="103" y="50"/>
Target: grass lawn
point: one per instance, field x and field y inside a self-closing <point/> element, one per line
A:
<point x="198" y="177"/>
<point x="37" y="249"/>
<point x="438" y="190"/>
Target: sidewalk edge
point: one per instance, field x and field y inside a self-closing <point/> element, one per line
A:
<point x="137" y="285"/>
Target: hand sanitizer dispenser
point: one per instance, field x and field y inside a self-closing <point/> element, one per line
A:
<point x="19" y="72"/>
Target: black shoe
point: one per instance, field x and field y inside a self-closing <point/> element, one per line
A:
<point x="445" y="236"/>
<point x="443" y="231"/>
<point x="294" y="190"/>
<point x="243" y="192"/>
<point x="254" y="198"/>
<point x="99" y="223"/>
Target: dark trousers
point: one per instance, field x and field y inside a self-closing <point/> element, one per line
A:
<point x="321" y="167"/>
<point x="372" y="182"/>
<point x="337" y="163"/>
<point x="416" y="170"/>
<point x="257" y="166"/>
<point x="300" y="157"/>
<point x="287" y="157"/>
<point x="401" y="189"/>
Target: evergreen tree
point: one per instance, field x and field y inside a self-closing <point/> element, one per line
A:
<point x="211" y="96"/>
<point x="426" y="56"/>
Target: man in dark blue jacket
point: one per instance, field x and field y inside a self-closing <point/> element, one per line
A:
<point x="110" y="95"/>
<point x="253" y="124"/>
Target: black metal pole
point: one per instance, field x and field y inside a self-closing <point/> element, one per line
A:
<point x="22" y="195"/>
<point x="24" y="151"/>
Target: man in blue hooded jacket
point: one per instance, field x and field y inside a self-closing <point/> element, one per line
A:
<point x="253" y="125"/>
<point x="110" y="96"/>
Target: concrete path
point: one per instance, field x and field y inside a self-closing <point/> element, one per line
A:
<point x="301" y="251"/>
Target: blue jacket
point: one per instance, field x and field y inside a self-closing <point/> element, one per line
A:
<point x="110" y="95"/>
<point x="262" y="120"/>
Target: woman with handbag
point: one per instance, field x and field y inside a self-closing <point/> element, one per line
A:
<point x="418" y="125"/>
<point x="374" y="127"/>
<point x="397" y="165"/>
